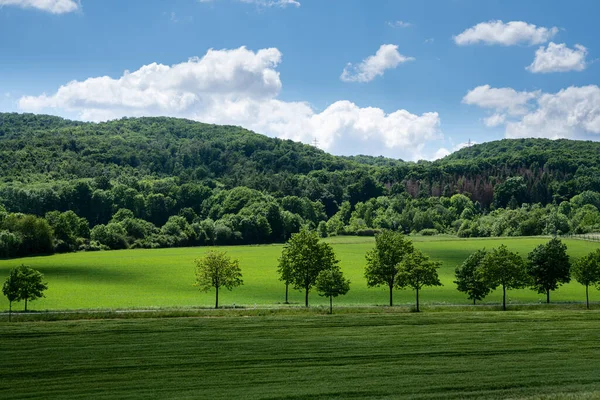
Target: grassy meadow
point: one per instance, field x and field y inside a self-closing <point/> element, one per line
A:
<point x="550" y="354"/>
<point x="164" y="277"/>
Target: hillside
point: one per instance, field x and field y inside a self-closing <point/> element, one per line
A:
<point x="163" y="182"/>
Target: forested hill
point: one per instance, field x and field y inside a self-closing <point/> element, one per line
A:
<point x="553" y="170"/>
<point x="155" y="182"/>
<point x="42" y="149"/>
<point x="45" y="148"/>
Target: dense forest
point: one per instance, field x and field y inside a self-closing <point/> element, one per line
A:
<point x="162" y="182"/>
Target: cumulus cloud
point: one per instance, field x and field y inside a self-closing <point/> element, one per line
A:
<point x="494" y="120"/>
<point x="558" y="58"/>
<point x="500" y="99"/>
<point x="506" y="34"/>
<point x="573" y="112"/>
<point x="238" y="87"/>
<point x="51" y="6"/>
<point x="387" y="57"/>
<point x="441" y="153"/>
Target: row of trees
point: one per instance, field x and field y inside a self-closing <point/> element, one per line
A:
<point x="306" y="262"/>
<point x="546" y="268"/>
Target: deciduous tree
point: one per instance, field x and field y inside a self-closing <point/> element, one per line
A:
<point x="417" y="271"/>
<point x="285" y="273"/>
<point x="216" y="270"/>
<point x="502" y="267"/>
<point x="10" y="289"/>
<point x="24" y="283"/>
<point x="331" y="283"/>
<point x="549" y="267"/>
<point x="587" y="272"/>
<point x="469" y="279"/>
<point x="306" y="256"/>
<point x="383" y="262"/>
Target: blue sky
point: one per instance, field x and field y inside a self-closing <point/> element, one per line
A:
<point x="421" y="77"/>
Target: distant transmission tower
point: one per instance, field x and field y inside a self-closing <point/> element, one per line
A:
<point x="469" y="144"/>
<point x="315" y="143"/>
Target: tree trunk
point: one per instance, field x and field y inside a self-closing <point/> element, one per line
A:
<point x="286" y="293"/>
<point x="474" y="300"/>
<point x="217" y="297"/>
<point x="587" y="297"/>
<point x="9" y="310"/>
<point x="330" y="304"/>
<point x="391" y="295"/>
<point x="25" y="304"/>
<point x="503" y="298"/>
<point x="547" y="296"/>
<point x="417" y="290"/>
<point x="306" y="298"/>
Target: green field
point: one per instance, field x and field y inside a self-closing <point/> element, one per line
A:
<point x="548" y="354"/>
<point x="164" y="277"/>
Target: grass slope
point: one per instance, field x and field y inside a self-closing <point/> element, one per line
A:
<point x="164" y="277"/>
<point x="450" y="355"/>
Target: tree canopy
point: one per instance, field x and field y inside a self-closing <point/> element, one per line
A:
<point x="216" y="270"/>
<point x="502" y="267"/>
<point x="417" y="271"/>
<point x="24" y="283"/>
<point x="549" y="267"/>
<point x="332" y="283"/>
<point x="587" y="272"/>
<point x="384" y="261"/>
<point x="303" y="257"/>
<point x="469" y="278"/>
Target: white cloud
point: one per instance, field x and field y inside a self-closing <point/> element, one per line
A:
<point x="51" y="6"/>
<point x="571" y="113"/>
<point x="238" y="87"/>
<point x="441" y="153"/>
<point x="429" y="40"/>
<point x="500" y="100"/>
<point x="273" y="3"/>
<point x="387" y="57"/>
<point x="558" y="58"/>
<point x="506" y="34"/>
<point x="399" y="24"/>
<point x="494" y="120"/>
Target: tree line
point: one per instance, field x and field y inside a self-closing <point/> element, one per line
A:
<point x="544" y="270"/>
<point x="306" y="262"/>
<point x="246" y="216"/>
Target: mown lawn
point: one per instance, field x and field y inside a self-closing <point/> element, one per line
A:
<point x="534" y="354"/>
<point x="164" y="277"/>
